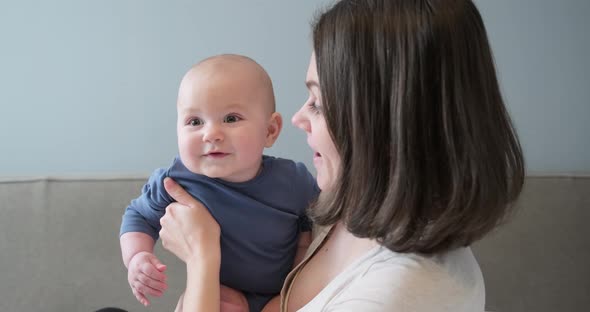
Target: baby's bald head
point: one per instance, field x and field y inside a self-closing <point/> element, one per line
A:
<point x="242" y="73"/>
<point x="226" y="105"/>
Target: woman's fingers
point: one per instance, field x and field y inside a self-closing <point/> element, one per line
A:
<point x="187" y="224"/>
<point x="178" y="193"/>
<point x="187" y="210"/>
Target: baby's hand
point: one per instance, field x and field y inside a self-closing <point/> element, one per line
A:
<point x="146" y="276"/>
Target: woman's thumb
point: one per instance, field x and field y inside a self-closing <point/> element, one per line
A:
<point x="178" y="193"/>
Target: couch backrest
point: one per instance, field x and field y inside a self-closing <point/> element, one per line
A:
<point x="60" y="247"/>
<point x="60" y="251"/>
<point x="540" y="260"/>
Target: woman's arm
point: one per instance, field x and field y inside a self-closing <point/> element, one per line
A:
<point x="202" y="284"/>
<point x="192" y="234"/>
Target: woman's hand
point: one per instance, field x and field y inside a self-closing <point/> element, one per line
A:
<point x="188" y="229"/>
<point x="192" y="234"/>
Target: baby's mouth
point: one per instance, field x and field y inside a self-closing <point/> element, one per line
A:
<point x="216" y="154"/>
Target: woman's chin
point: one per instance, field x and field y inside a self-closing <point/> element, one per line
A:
<point x="323" y="183"/>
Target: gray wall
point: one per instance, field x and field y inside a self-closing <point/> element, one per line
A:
<point x="90" y="86"/>
<point x="542" y="50"/>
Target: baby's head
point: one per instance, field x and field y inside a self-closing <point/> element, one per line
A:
<point x="226" y="117"/>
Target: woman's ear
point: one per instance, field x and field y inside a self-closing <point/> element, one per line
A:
<point x="274" y="129"/>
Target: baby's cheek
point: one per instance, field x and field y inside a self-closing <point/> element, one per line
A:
<point x="253" y="148"/>
<point x="189" y="160"/>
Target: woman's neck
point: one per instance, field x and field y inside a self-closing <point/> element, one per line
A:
<point x="349" y="246"/>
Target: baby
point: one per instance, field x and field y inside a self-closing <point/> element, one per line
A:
<point x="226" y="117"/>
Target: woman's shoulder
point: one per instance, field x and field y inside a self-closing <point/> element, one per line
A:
<point x="457" y="266"/>
<point x="384" y="280"/>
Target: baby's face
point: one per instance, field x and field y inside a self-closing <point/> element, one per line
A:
<point x="223" y="124"/>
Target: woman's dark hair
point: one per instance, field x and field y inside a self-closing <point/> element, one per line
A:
<point x="429" y="158"/>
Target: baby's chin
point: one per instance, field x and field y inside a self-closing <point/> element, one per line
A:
<point x="225" y="172"/>
<point x="211" y="173"/>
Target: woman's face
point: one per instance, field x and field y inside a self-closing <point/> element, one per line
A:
<point x="310" y="118"/>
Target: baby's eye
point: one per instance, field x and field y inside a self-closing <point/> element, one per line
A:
<point x="195" y="122"/>
<point x="231" y="119"/>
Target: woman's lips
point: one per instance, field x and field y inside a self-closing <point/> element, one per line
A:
<point x="317" y="158"/>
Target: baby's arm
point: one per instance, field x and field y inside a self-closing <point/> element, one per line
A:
<point x="145" y="272"/>
<point x="133" y="243"/>
<point x="302" y="246"/>
<point x="139" y="230"/>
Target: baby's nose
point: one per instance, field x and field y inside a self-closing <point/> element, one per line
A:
<point x="213" y="133"/>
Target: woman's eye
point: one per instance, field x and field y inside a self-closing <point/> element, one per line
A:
<point x="314" y="107"/>
<point x="231" y="119"/>
<point x="195" y="122"/>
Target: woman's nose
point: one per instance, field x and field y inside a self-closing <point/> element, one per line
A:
<point x="300" y="120"/>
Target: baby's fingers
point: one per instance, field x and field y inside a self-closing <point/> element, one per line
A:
<point x="142" y="285"/>
<point x="140" y="297"/>
<point x="154" y="270"/>
<point x="152" y="284"/>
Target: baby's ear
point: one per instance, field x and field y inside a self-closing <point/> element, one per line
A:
<point x="274" y="129"/>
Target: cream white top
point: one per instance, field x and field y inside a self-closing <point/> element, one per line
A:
<point x="383" y="280"/>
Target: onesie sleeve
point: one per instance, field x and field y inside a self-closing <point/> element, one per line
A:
<point x="143" y="213"/>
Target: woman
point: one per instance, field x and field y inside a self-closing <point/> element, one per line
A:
<point x="415" y="155"/>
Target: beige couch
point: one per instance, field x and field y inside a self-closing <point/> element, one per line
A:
<point x="60" y="252"/>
